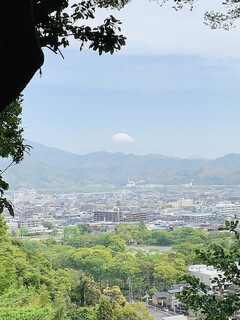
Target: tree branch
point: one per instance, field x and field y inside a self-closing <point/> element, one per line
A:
<point x="48" y="40"/>
<point x="42" y="9"/>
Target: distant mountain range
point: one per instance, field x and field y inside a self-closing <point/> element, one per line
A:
<point x="53" y="169"/>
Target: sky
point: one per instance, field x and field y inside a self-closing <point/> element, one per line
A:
<point x="172" y="90"/>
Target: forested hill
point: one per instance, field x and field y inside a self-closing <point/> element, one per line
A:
<point x="90" y="275"/>
<point x="33" y="287"/>
<point x="50" y="168"/>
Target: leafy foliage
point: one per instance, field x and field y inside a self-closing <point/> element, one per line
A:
<point x="11" y="139"/>
<point x="114" y="294"/>
<point x="55" y="29"/>
<point x="47" y="224"/>
<point x="221" y="304"/>
<point x="34" y="313"/>
<point x="215" y="19"/>
<point x="81" y="279"/>
<point x="106" y="257"/>
<point x="11" y="145"/>
<point x="33" y="288"/>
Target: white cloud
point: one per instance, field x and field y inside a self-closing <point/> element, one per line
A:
<point x="123" y="137"/>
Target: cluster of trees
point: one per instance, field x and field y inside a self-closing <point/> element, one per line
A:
<point x="142" y="269"/>
<point x="30" y="288"/>
<point x="109" y="240"/>
<point x="223" y="304"/>
<point x="109" y="267"/>
<point x="106" y="257"/>
<point x="56" y="281"/>
<point x="130" y="233"/>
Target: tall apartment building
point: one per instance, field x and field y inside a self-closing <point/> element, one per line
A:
<point x="119" y="216"/>
<point x="29" y="223"/>
<point x="135" y="216"/>
<point x="112" y="216"/>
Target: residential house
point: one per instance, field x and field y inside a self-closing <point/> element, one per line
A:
<point x="160" y="299"/>
<point x="172" y="301"/>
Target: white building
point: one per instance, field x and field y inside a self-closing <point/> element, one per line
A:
<point x="206" y="274"/>
<point x="25" y="196"/>
<point x="198" y="216"/>
<point x="12" y="223"/>
<point x="31" y="224"/>
<point x="228" y="208"/>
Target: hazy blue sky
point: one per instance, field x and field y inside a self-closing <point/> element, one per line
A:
<point x="174" y="90"/>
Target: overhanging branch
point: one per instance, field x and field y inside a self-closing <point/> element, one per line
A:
<point x="42" y="9"/>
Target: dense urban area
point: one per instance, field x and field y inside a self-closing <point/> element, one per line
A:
<point x="163" y="208"/>
<point x="112" y="255"/>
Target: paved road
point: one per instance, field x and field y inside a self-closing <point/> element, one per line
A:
<point x="158" y="314"/>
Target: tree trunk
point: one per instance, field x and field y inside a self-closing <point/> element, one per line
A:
<point x="20" y="52"/>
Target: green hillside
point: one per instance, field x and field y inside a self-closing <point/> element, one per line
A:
<point x="53" y="169"/>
